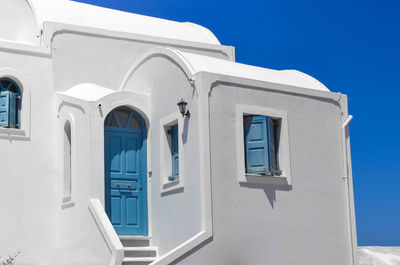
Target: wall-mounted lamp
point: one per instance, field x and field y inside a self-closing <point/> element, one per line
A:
<point x="182" y="108"/>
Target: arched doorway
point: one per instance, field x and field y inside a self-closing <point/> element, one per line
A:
<point x="126" y="171"/>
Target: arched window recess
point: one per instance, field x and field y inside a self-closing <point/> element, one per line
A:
<point x="67" y="161"/>
<point x="10" y="104"/>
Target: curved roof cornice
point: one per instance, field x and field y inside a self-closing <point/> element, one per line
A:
<point x="191" y="64"/>
<point x="80" y="14"/>
<point x="166" y="52"/>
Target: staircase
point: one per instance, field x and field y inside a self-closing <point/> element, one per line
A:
<point x="137" y="250"/>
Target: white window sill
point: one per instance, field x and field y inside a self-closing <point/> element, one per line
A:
<point x="13" y="133"/>
<point x="264" y="179"/>
<point x="67" y="202"/>
<point x="66" y="205"/>
<point x="171" y="186"/>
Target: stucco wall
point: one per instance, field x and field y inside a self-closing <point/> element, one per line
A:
<point x="175" y="215"/>
<point x="28" y="174"/>
<point x="19" y="14"/>
<point x="32" y="218"/>
<point x="79" y="58"/>
<point x="67" y="232"/>
<point x="78" y="238"/>
<point x="305" y="223"/>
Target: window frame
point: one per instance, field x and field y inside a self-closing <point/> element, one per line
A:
<point x="24" y="84"/>
<point x="173" y="139"/>
<point x="167" y="184"/>
<point x="284" y="151"/>
<point x="12" y="107"/>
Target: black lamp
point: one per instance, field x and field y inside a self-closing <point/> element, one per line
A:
<point x="182" y="108"/>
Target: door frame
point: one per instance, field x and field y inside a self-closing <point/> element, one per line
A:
<point x="143" y="171"/>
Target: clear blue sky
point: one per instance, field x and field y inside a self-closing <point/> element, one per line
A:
<point x="352" y="47"/>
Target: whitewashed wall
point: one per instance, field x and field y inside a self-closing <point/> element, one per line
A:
<point x="175" y="215"/>
<point x="305" y="223"/>
<point x="66" y="232"/>
<point x="29" y="200"/>
<point x="79" y="58"/>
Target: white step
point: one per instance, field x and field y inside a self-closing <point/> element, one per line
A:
<point x="144" y="252"/>
<point x="138" y="261"/>
<point x="135" y="241"/>
<point x="134" y="237"/>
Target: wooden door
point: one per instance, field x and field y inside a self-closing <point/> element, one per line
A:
<point x="125" y="171"/>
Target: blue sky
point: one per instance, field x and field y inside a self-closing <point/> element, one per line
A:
<point x="352" y="47"/>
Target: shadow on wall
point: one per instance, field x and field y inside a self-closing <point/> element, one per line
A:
<point x="270" y="191"/>
<point x="185" y="130"/>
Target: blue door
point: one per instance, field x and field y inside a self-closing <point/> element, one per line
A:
<point x="125" y="171"/>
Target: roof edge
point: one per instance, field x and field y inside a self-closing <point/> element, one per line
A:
<point x="86" y="15"/>
<point x="307" y="77"/>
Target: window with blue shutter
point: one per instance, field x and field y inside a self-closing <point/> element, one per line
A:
<point x="10" y="104"/>
<point x="173" y="133"/>
<point x="261" y="145"/>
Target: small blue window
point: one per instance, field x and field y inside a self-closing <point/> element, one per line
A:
<point x="173" y="133"/>
<point x="10" y="104"/>
<point x="261" y="142"/>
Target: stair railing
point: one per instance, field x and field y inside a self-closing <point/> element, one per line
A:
<point x="107" y="231"/>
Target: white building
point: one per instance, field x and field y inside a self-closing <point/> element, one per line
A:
<point x="257" y="169"/>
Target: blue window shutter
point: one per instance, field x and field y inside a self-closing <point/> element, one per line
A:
<point x="273" y="130"/>
<point x="174" y="152"/>
<point x="256" y="144"/>
<point x="276" y="137"/>
<point x="12" y="110"/>
<point x="18" y="109"/>
<point x="4" y="107"/>
<point x="10" y="104"/>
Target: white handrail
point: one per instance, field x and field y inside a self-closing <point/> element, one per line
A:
<point x="107" y="231"/>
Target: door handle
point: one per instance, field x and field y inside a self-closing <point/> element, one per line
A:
<point x="124" y="184"/>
